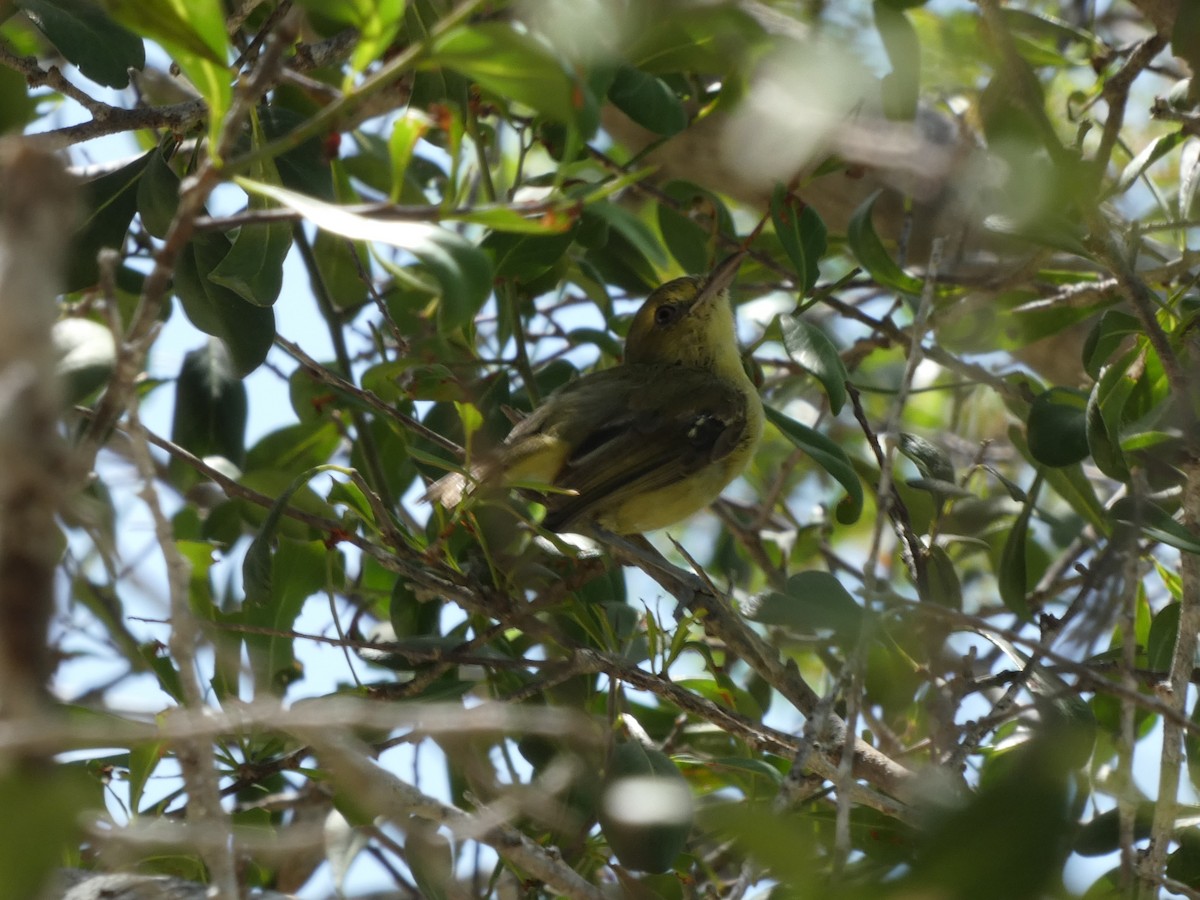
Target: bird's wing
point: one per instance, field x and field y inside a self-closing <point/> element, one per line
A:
<point x="652" y="427"/>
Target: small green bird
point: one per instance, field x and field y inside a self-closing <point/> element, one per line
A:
<point x="649" y="442"/>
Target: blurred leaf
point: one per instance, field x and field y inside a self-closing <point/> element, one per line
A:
<point x="930" y="459"/>
<point x="1164" y="630"/>
<point x="109" y="204"/>
<point x="900" y="87"/>
<point x="942" y="582"/>
<point x="1057" y="427"/>
<point x="1113" y="329"/>
<point x="1012" y="577"/>
<point x="1155" y="522"/>
<point x="1155" y="150"/>
<point x="210" y="405"/>
<point x="872" y="255"/>
<point x="1105" y="413"/>
<point x="648" y="101"/>
<point x="157" y="195"/>
<point x="814" y="601"/>
<point x="86" y="355"/>
<point x="828" y="456"/>
<point x="247" y="330"/>
<point x="808" y="347"/>
<point x="802" y="235"/>
<point x="517" y="66"/>
<point x="81" y="31"/>
<point x="462" y="270"/>
<point x="193" y="32"/>
<point x="51" y="802"/>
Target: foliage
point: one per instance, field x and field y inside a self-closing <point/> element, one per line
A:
<point x="927" y="650"/>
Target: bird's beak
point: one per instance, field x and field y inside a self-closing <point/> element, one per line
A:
<point x="720" y="278"/>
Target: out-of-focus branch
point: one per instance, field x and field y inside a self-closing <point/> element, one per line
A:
<point x="376" y="788"/>
<point x="37" y="216"/>
<point x="1174" y="693"/>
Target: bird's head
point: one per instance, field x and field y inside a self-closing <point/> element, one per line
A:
<point x="687" y="321"/>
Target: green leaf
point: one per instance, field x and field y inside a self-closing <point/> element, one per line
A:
<point x="461" y="270"/>
<point x="525" y="256"/>
<point x="299" y="569"/>
<point x="1114" y="327"/>
<point x="648" y="101"/>
<point x="109" y="203"/>
<point x="50" y="802"/>
<point x="1150" y="154"/>
<point x="86" y="355"/>
<point x="1155" y="522"/>
<point x="210" y="405"/>
<point x="247" y="330"/>
<point x="81" y="31"/>
<point x="517" y="66"/>
<point x="1057" y="427"/>
<point x="690" y="225"/>
<point x="813" y="601"/>
<point x="1071" y="484"/>
<point x="802" y="235"/>
<point x="193" y="32"/>
<point x="407" y="130"/>
<point x="1012" y="577"/>
<point x="196" y="26"/>
<point x="930" y="459"/>
<point x="157" y="195"/>
<point x="1105" y="413"/>
<point x="17" y="107"/>
<point x="901" y="87"/>
<point x="295" y="448"/>
<point x="942" y="583"/>
<point x="809" y="347"/>
<point x="1164" y="631"/>
<point x="378" y="23"/>
<point x="829" y="456"/>
<point x="872" y="255"/>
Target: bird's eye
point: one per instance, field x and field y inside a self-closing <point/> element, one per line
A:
<point x="665" y="315"/>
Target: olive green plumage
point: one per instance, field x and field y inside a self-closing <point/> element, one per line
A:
<point x="646" y="443"/>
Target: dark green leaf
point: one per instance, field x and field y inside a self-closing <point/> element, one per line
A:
<point x="17" y="107"/>
<point x="51" y="801"/>
<point x="248" y="331"/>
<point x="253" y="267"/>
<point x="829" y="456"/>
<point x="210" y="405"/>
<point x="802" y="235"/>
<point x="648" y="101"/>
<point x="103" y="50"/>
<point x="1013" y="578"/>
<point x="872" y="255"/>
<point x="931" y="460"/>
<point x="109" y="203"/>
<point x="942" y="583"/>
<point x="1160" y="645"/>
<point x="1114" y="328"/>
<point x="1155" y="522"/>
<point x="1057" y="427"/>
<point x="814" y="601"/>
<point x="808" y="346"/>
<point x="157" y="195"/>
<point x="1105" y="414"/>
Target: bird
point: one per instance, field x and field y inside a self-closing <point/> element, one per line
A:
<point x="647" y="443"/>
